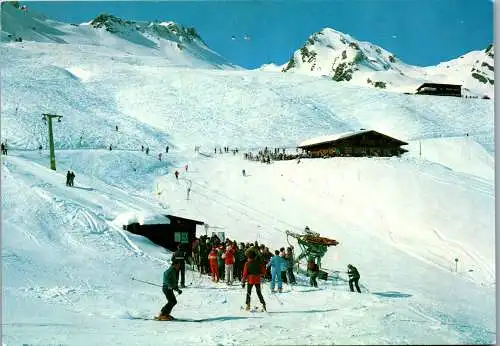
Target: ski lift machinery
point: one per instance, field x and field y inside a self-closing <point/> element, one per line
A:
<point x="312" y="245"/>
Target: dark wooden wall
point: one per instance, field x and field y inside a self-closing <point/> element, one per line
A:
<point x="366" y="144"/>
<point x="164" y="234"/>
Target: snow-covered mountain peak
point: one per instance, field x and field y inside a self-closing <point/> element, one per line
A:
<point x="343" y="58"/>
<point x="338" y="55"/>
<point x="178" y="44"/>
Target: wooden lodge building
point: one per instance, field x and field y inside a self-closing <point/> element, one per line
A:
<point x="358" y="143"/>
<point x="440" y="89"/>
<point x="179" y="230"/>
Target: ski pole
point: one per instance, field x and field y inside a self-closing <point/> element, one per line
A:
<point x="274" y="295"/>
<point x="146" y="282"/>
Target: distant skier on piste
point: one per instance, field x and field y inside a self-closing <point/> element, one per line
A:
<point x="252" y="271"/>
<point x="354" y="276"/>
<point x="168" y="288"/>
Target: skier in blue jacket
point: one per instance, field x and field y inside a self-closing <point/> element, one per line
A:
<point x="277" y="264"/>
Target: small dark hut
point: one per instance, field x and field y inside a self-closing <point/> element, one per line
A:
<point x="440" y="89"/>
<point x="359" y="143"/>
<point x="180" y="230"/>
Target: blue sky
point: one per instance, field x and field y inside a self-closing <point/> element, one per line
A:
<point x="420" y="32"/>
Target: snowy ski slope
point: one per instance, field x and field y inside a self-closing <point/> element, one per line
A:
<point x="67" y="264"/>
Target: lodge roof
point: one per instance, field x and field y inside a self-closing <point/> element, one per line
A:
<point x="436" y="85"/>
<point x="336" y="137"/>
<point x="173" y="218"/>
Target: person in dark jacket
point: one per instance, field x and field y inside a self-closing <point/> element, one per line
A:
<point x="283" y="270"/>
<point x="168" y="288"/>
<point x="181" y="256"/>
<point x="313" y="271"/>
<point x="220" y="262"/>
<point x="290" y="260"/>
<point x="252" y="271"/>
<point x="68" y="178"/>
<point x="354" y="276"/>
<point x="204" y="251"/>
<point x="72" y="179"/>
<point x="240" y="261"/>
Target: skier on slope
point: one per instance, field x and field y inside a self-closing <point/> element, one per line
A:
<point x="180" y="256"/>
<point x="229" y="259"/>
<point x="252" y="271"/>
<point x="72" y="179"/>
<point x="283" y="270"/>
<point x="214" y="268"/>
<point x="277" y="263"/>
<point x="313" y="271"/>
<point x="354" y="276"/>
<point x="290" y="260"/>
<point x="220" y="261"/>
<point x="168" y="288"/>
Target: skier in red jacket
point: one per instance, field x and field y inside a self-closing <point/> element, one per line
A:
<point x="214" y="268"/>
<point x="252" y="271"/>
<point x="229" y="262"/>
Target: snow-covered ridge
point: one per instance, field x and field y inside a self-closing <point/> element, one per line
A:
<point x="166" y="30"/>
<point x="341" y="57"/>
<point x="178" y="44"/>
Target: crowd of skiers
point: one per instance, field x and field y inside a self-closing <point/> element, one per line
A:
<point x="229" y="261"/>
<point x="267" y="155"/>
<point x="226" y="150"/>
<point x="224" y="261"/>
<point x="146" y="150"/>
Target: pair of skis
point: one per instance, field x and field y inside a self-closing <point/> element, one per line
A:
<point x="172" y="320"/>
<point x="254" y="309"/>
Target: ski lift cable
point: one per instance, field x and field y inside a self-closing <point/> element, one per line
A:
<point x="232" y="207"/>
<point x="249" y="207"/>
<point x="244" y="205"/>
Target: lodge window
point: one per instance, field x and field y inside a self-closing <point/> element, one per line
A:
<point x="181" y="237"/>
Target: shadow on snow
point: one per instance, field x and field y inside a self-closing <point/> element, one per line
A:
<point x="312" y="311"/>
<point x="392" y="294"/>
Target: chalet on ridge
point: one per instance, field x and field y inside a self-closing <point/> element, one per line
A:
<point x="357" y="143"/>
<point x="440" y="89"/>
<point x="179" y="230"/>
